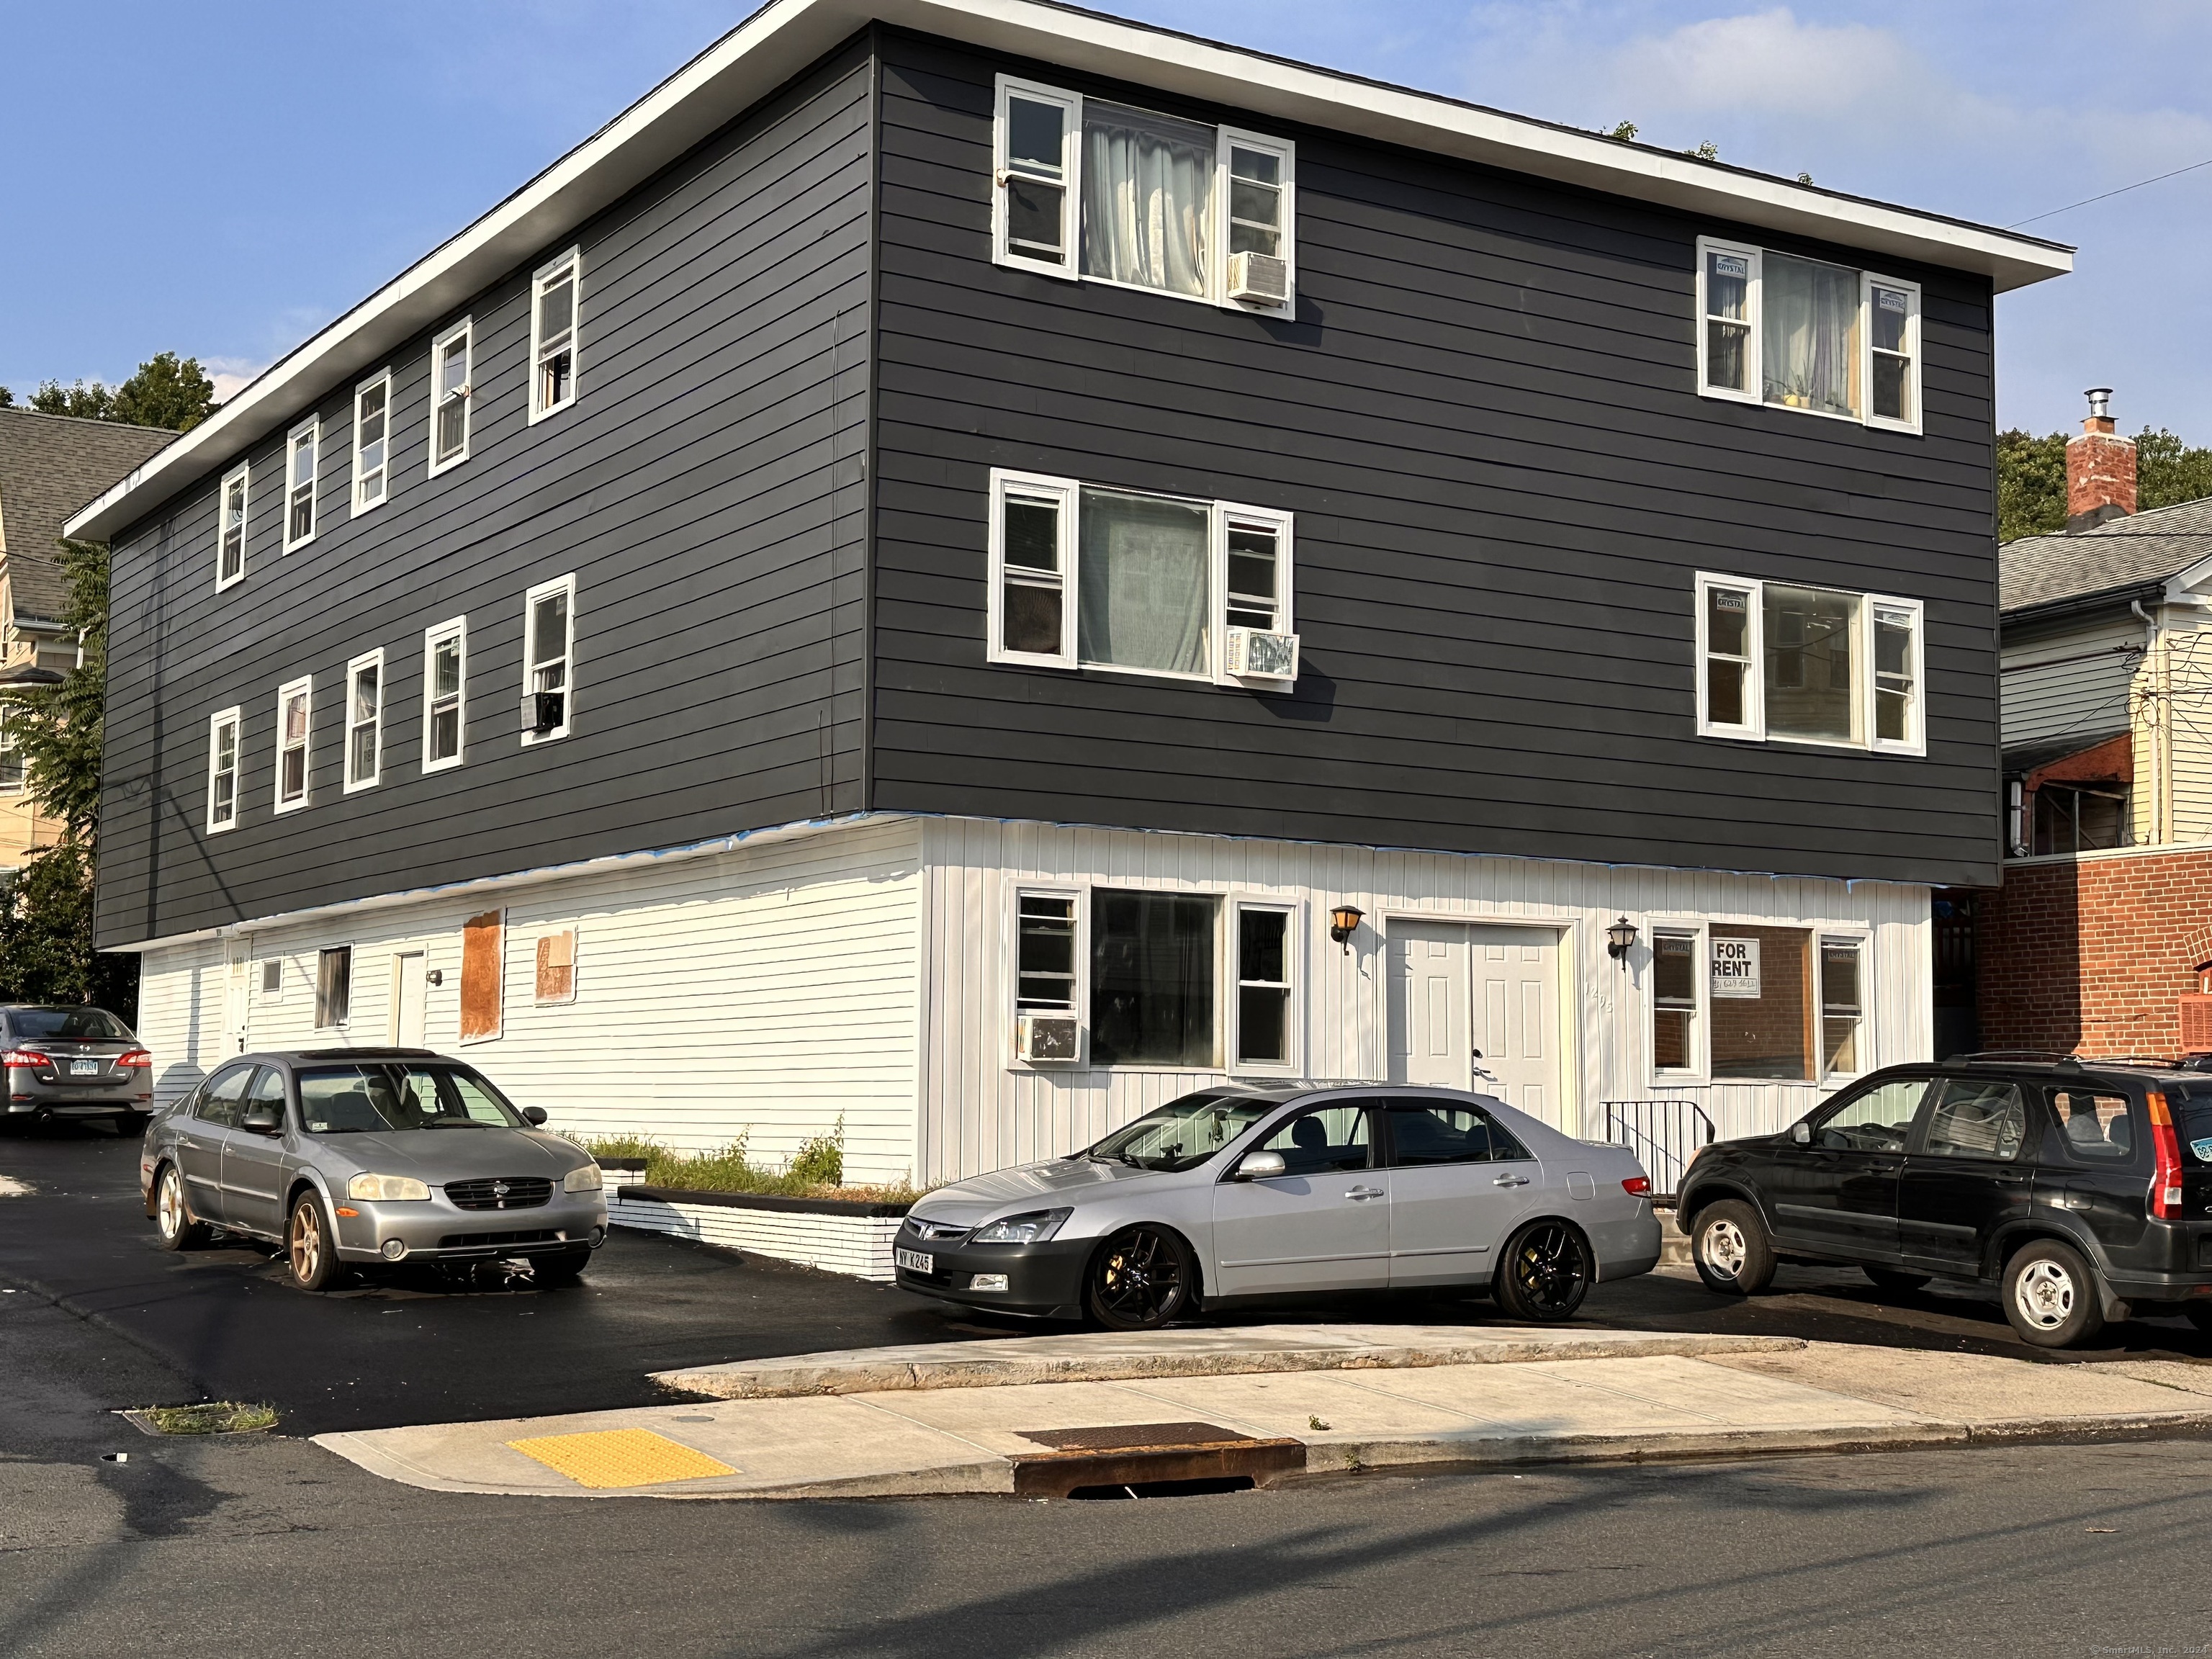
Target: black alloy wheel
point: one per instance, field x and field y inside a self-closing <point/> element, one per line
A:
<point x="1544" y="1274"/>
<point x="1139" y="1281"/>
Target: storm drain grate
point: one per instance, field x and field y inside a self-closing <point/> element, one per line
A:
<point x="1137" y="1436"/>
<point x="1161" y="1457"/>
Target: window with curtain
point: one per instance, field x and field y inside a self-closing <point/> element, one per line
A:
<point x="1810" y="337"/>
<point x="1147" y="199"/>
<point x="1791" y="332"/>
<point x="1142" y="586"/>
<point x="1152" y="980"/>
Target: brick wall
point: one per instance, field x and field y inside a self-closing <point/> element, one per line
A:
<point x="2094" y="955"/>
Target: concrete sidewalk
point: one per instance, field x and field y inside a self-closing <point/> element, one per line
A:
<point x="1654" y="1397"/>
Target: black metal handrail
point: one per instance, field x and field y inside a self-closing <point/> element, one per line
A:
<point x="1664" y="1134"/>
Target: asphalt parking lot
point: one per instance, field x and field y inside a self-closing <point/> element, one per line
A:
<point x="226" y="1322"/>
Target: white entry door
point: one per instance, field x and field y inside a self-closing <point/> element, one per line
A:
<point x="238" y="962"/>
<point x="411" y="991"/>
<point x="1430" y="1041"/>
<point x="1516" y="974"/>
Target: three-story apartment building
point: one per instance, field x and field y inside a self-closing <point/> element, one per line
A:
<point x="964" y="568"/>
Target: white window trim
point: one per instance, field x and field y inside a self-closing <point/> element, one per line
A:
<point x="241" y="475"/>
<point x="313" y="426"/>
<point x="1225" y="513"/>
<point x="433" y="636"/>
<point x="315" y="986"/>
<point x="1917" y="743"/>
<point x="1754" y="380"/>
<point x="1010" y="952"/>
<point x="234" y="717"/>
<point x="1863" y="937"/>
<point x="573" y="260"/>
<point x="260" y="982"/>
<point x="1232" y="980"/>
<point x="305" y="686"/>
<point x="1754" y="730"/>
<point x="559" y="584"/>
<point x="1068" y="495"/>
<point x="1700" y="1019"/>
<point x="383" y="376"/>
<point x="1071" y="268"/>
<point x="1869" y="281"/>
<point x="466" y="329"/>
<point x="367" y="659"/>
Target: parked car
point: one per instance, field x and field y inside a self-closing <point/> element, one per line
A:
<point x="367" y="1156"/>
<point x="1235" y="1196"/>
<point x="73" y="1062"/>
<point x="2079" y="1190"/>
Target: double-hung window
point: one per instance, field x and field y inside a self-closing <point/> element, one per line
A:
<point x="1782" y="661"/>
<point x="1746" y="1002"/>
<point x="555" y="292"/>
<point x="1104" y="192"/>
<point x="445" y="667"/>
<point x="1045" y="978"/>
<point x="1842" y="1009"/>
<point x="372" y="440"/>
<point x="1262" y="1013"/>
<point x="451" y="364"/>
<point x="549" y="649"/>
<point x="294" y="727"/>
<point x="333" y="987"/>
<point x="301" y="449"/>
<point x="1797" y="334"/>
<point x="222" y="771"/>
<point x="364" y="754"/>
<point x="1084" y="576"/>
<point x="11" y="758"/>
<point x="230" y="509"/>
<point x="1676" y="1029"/>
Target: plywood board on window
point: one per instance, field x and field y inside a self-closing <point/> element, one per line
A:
<point x="483" y="965"/>
<point x="556" y="966"/>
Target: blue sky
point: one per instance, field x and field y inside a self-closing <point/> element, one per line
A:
<point x="223" y="177"/>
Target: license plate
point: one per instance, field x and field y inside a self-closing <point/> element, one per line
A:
<point x="84" y="1068"/>
<point x="919" y="1261"/>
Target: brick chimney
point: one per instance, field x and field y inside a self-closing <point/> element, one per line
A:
<point x="2100" y="468"/>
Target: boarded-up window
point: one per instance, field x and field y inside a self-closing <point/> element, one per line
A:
<point x="556" y="966"/>
<point x="483" y="966"/>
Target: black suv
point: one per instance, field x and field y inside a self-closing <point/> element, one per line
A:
<point x="2081" y="1189"/>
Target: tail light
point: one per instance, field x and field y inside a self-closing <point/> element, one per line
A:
<point x="2165" y="1184"/>
<point x="135" y="1058"/>
<point x="30" y="1057"/>
<point x="1636" y="1186"/>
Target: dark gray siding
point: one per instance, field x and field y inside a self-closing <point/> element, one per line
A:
<point x="1484" y="417"/>
<point x="707" y="489"/>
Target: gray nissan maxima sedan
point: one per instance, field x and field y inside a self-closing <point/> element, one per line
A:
<point x="370" y="1155"/>
<point x="1237" y="1194"/>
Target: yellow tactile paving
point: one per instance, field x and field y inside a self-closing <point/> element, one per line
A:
<point x="621" y="1457"/>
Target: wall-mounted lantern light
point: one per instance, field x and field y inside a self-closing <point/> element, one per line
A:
<point x="1619" y="937"/>
<point x="1343" y="922"/>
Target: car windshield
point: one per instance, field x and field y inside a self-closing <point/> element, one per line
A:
<point x="1184" y="1133"/>
<point x="68" y="1025"/>
<point x="369" y="1098"/>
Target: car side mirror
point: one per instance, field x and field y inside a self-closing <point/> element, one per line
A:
<point x="1802" y="1133"/>
<point x="1260" y="1166"/>
<point x="535" y="1114"/>
<point x="262" y="1119"/>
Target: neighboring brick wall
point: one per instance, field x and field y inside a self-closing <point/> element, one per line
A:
<point x="2094" y="955"/>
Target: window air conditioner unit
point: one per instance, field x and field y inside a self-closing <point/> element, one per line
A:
<point x="542" y="710"/>
<point x="1049" y="1039"/>
<point x="1259" y="279"/>
<point x="1255" y="654"/>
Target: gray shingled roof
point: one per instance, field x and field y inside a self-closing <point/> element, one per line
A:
<point x="50" y="466"/>
<point x="2120" y="553"/>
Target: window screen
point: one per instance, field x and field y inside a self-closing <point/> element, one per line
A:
<point x="1152" y="980"/>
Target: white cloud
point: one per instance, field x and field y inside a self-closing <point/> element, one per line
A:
<point x="1769" y="63"/>
<point x="230" y="374"/>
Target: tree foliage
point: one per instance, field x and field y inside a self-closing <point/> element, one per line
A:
<point x="2032" y="479"/>
<point x="167" y="391"/>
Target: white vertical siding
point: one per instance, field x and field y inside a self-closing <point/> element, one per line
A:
<point x="980" y="1110"/>
<point x="767" y="991"/>
<point x="2084" y="689"/>
<point x="2189" y="643"/>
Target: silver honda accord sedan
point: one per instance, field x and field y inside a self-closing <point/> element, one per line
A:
<point x="370" y="1155"/>
<point x="1234" y="1195"/>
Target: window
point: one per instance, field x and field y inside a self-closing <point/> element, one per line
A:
<point x="222" y="1096"/>
<point x="450" y="392"/>
<point x="230" y="545"/>
<point x="1088" y="577"/>
<point x="1974" y="1119"/>
<point x="295" y="721"/>
<point x="1803" y="334"/>
<point x="1842" y="1008"/>
<point x="1044" y="980"/>
<point x="1263" y="987"/>
<point x="2096" y="1128"/>
<point x="272" y="978"/>
<point x="364" y="721"/>
<point x="1423" y="1133"/>
<point x="299" y="484"/>
<point x="1326" y="1140"/>
<point x="1115" y="194"/>
<point x="1875" y="1121"/>
<point x="2079" y="817"/>
<point x="222" y="771"/>
<point x="372" y="445"/>
<point x="1674" y="1001"/>
<point x="556" y="966"/>
<point x="1760" y="1019"/>
<point x="1152" y="980"/>
<point x="445" y="664"/>
<point x="555" y="295"/>
<point x="550" y="624"/>
<point x="333" y="987"/>
<point x="1780" y="661"/>
<point x="11" y="759"/>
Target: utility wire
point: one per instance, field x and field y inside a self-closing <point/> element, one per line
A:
<point x="2109" y="194"/>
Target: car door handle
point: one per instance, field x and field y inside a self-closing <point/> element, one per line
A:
<point x="1880" y="1169"/>
<point x="1510" y="1181"/>
<point x="1362" y="1194"/>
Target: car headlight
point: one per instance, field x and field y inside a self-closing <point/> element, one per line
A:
<point x="1033" y="1227"/>
<point x="389" y="1188"/>
<point x="586" y="1178"/>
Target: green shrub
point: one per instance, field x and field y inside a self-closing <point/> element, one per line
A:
<point x="817" y="1170"/>
<point x="821" y="1161"/>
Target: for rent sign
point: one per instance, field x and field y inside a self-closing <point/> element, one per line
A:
<point x="1735" y="968"/>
